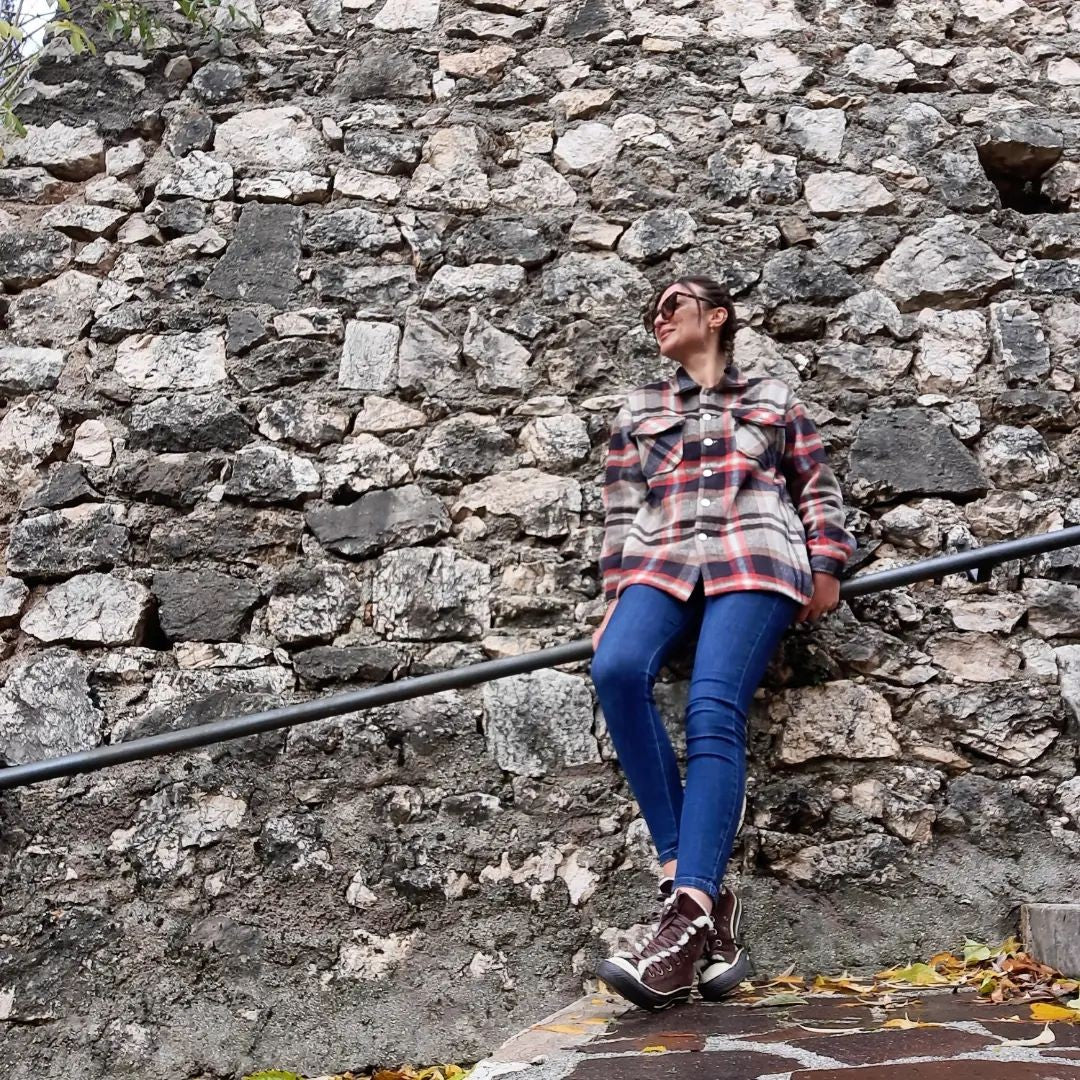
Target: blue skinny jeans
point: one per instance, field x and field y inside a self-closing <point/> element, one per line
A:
<point x="738" y="633"/>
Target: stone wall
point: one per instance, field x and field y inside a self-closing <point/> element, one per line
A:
<point x="309" y="347"/>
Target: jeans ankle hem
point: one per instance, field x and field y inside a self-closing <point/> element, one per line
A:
<point x="706" y="886"/>
<point x="667" y="856"/>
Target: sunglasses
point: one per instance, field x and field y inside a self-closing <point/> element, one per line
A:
<point x="668" y="307"/>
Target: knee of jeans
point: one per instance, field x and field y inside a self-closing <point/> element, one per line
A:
<point x="616" y="669"/>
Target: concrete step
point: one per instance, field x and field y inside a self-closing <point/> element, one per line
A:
<point x="1051" y="934"/>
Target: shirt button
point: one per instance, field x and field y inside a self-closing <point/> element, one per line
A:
<point x="708" y="416"/>
<point x="709" y="442"/>
<point x="706" y="472"/>
<point x="702" y="536"/>
<point x="706" y="502"/>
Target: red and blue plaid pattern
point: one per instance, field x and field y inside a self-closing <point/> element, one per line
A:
<point x="729" y="483"/>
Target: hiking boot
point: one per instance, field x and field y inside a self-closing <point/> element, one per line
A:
<point x="725" y="962"/>
<point x="662" y="972"/>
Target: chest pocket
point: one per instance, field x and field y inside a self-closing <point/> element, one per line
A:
<point x="759" y="433"/>
<point x="660" y="443"/>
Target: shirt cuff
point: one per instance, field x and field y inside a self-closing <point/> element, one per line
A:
<point x="825" y="564"/>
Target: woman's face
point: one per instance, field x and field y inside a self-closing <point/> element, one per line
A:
<point x="684" y="330"/>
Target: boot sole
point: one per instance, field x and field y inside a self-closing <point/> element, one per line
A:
<point x="720" y="986"/>
<point x="635" y="992"/>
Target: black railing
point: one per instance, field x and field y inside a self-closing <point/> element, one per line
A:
<point x="977" y="562"/>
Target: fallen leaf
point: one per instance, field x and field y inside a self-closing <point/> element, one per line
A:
<point x="904" y="1023"/>
<point x="843" y="983"/>
<point x="915" y="974"/>
<point x="975" y="952"/>
<point x="1045" y="1036"/>
<point x="272" y="1074"/>
<point x="779" y="999"/>
<point x="1042" y="1011"/>
<point x="562" y="1029"/>
<point x="658" y="1049"/>
<point x="835" y="1031"/>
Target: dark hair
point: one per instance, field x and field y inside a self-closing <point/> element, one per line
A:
<point x="711" y="292"/>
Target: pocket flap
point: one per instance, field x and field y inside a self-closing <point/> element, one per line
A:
<point x="758" y="414"/>
<point x="654" y="425"/>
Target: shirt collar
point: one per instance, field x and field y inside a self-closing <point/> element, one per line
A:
<point x="733" y="377"/>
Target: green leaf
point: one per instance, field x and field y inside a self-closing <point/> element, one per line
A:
<point x="916" y="975"/>
<point x="273" y="1074"/>
<point x="9" y="32"/>
<point x="975" y="952"/>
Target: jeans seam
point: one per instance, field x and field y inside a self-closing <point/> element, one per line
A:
<point x="728" y="843"/>
<point x="710" y="887"/>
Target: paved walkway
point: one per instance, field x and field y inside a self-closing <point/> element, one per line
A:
<point x="829" y="1038"/>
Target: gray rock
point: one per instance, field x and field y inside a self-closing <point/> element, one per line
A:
<point x="1053" y="607"/>
<point x="775" y="71"/>
<point x="65" y="485"/>
<point x="23" y="370"/>
<point x="46" y="709"/>
<point x="183" y="361"/>
<point x="70" y="153"/>
<point x="370" y="355"/>
<point x="1020" y="345"/>
<point x="502" y="362"/>
<point x="246" y="331"/>
<point x="30" y="431"/>
<point x="268" y="474"/>
<point x="383" y="153"/>
<point x="859" y="367"/>
<point x="883" y="68"/>
<point x="13" y="594"/>
<point x="67" y="541"/>
<point x="541" y="504"/>
<point x="836" y="720"/>
<point x="856" y="245"/>
<point x="943" y="266"/>
<point x="27" y="185"/>
<point x="1051" y="276"/>
<point x="871" y="312"/>
<point x="178" y="217"/>
<point x="430" y="358"/>
<point x="908" y="451"/>
<point x="588" y="284"/>
<point x="83" y="222"/>
<point x="958" y="178"/>
<point x="311" y="603"/>
<point x="585" y="147"/>
<point x="178" y="480"/>
<point x="354" y="229"/>
<point x="56" y="313"/>
<point x="327" y="664"/>
<point x="1016" y="457"/>
<point x="32" y="257"/>
<point x="539" y="723"/>
<point x="187" y="131"/>
<point x="283" y="363"/>
<point x="1054" y="236"/>
<point x="361" y="464"/>
<point x="871" y="859"/>
<point x="375" y="290"/>
<point x="430" y="594"/>
<point x="819" y="133"/>
<point x="203" y="605"/>
<point x="188" y="422"/>
<point x="467" y="446"/>
<point x="379" y="520"/>
<point x="218" y="82"/>
<point x="261" y="263"/>
<point x="310" y="424"/>
<point x="488" y="27"/>
<point x="227" y="534"/>
<point x="839" y="193"/>
<point x="802" y="276"/>
<point x="384" y="71"/>
<point x="197" y="176"/>
<point x="556" y="442"/>
<point x="480" y="281"/>
<point x="1019" y="146"/>
<point x="753" y="175"/>
<point x="498" y="240"/>
<point x="657" y="234"/>
<point x="270" y="139"/>
<point x="952" y="345"/>
<point x="93" y="609"/>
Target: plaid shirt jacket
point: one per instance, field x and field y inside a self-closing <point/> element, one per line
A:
<point x="729" y="483"/>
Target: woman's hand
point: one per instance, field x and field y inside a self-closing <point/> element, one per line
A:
<point x="826" y="597"/>
<point x="599" y="631"/>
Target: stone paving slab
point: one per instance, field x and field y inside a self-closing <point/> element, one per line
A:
<point x="828" y="1038"/>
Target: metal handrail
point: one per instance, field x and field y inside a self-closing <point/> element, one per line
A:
<point x="170" y="742"/>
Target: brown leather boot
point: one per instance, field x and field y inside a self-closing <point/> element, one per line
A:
<point x="725" y="962"/>
<point x="662" y="973"/>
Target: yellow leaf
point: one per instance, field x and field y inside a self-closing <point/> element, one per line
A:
<point x="915" y="974"/>
<point x="1045" y="1036"/>
<point x="843" y="983"/>
<point x="907" y="1024"/>
<point x="658" y="1049"/>
<point x="596" y="1020"/>
<point x="1041" y="1010"/>
<point x="562" y="1029"/>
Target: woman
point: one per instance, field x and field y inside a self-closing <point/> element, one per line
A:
<point x="722" y="518"/>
